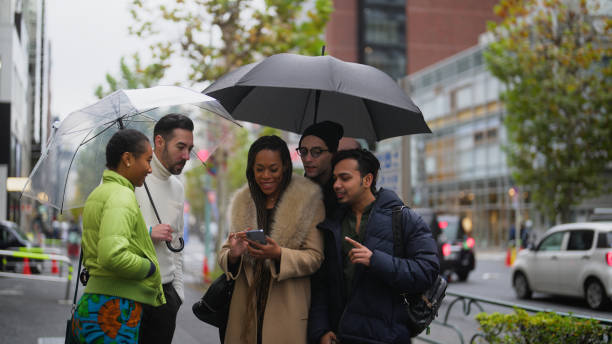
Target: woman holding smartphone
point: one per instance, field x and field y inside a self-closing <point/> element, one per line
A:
<point x="271" y="296"/>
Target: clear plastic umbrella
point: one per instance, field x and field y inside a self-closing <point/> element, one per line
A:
<point x="72" y="164"/>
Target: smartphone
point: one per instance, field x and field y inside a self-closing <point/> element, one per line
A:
<point x="257" y="235"/>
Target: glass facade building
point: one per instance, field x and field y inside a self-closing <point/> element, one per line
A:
<point x="461" y="168"/>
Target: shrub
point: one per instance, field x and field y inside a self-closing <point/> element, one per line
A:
<point x="542" y="327"/>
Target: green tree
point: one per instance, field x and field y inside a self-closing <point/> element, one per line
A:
<point x="135" y="75"/>
<point x="216" y="36"/>
<point x="554" y="58"/>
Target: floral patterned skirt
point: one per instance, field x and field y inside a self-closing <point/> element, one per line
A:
<point x="106" y="319"/>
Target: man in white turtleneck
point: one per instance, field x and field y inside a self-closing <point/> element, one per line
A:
<point x="173" y="139"/>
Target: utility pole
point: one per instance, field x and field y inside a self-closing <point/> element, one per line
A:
<point x="406" y="174"/>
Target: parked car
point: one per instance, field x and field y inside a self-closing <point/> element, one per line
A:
<point x="455" y="246"/>
<point x="572" y="259"/>
<point x="13" y="239"/>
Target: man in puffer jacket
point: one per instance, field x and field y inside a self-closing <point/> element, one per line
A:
<point x="355" y="294"/>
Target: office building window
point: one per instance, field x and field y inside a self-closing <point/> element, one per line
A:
<point x="383" y="27"/>
<point x="389" y="61"/>
<point x="383" y="38"/>
<point x="385" y="2"/>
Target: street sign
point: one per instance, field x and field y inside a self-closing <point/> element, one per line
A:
<point x="390" y="170"/>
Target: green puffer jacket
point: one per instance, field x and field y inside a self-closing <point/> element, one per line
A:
<point x="117" y="247"/>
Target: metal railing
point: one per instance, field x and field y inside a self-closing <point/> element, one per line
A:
<point x="467" y="302"/>
<point x="39" y="255"/>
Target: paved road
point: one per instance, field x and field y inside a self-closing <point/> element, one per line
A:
<point x="491" y="279"/>
<point x="32" y="311"/>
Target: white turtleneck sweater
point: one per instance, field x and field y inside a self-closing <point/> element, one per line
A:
<point x="169" y="198"/>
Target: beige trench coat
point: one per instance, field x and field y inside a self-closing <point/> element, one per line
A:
<point x="294" y="229"/>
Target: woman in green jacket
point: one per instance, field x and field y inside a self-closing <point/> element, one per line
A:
<point x="117" y="249"/>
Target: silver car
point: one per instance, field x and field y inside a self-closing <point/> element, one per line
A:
<point x="572" y="259"/>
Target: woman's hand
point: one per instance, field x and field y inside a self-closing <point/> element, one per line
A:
<point x="238" y="246"/>
<point x="270" y="250"/>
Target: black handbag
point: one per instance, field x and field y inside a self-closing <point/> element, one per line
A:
<point x="213" y="307"/>
<point x="421" y="309"/>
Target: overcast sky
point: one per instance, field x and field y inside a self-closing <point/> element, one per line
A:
<point x="87" y="40"/>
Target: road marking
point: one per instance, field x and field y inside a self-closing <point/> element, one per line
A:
<point x="51" y="340"/>
<point x="11" y="292"/>
<point x="490" y="276"/>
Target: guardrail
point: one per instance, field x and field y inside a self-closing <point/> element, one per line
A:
<point x="39" y="255"/>
<point x="468" y="301"/>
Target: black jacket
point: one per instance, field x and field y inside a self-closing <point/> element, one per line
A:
<point x="373" y="313"/>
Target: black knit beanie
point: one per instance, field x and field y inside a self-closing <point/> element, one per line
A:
<point x="328" y="131"/>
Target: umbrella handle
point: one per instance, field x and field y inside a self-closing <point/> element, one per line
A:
<point x="179" y="249"/>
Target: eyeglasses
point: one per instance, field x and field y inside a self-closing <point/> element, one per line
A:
<point x="315" y="152"/>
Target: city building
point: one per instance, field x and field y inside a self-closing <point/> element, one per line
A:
<point x="461" y="168"/>
<point x="24" y="94"/>
<point x="401" y="37"/>
<point x="39" y="63"/>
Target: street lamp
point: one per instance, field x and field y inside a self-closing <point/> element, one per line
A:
<point x="514" y="194"/>
<point x="511" y="192"/>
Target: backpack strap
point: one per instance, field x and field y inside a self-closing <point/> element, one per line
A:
<point x="398" y="233"/>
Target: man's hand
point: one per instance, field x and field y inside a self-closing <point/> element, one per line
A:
<point x="329" y="338"/>
<point x="161" y="232"/>
<point x="270" y="250"/>
<point x="359" y="254"/>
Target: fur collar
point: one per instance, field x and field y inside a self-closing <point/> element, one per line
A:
<point x="293" y="217"/>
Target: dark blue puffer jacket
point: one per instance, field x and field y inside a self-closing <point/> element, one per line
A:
<point x="373" y="313"/>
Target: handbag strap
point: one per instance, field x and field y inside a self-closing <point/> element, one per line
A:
<point x="398" y="233"/>
<point x="76" y="288"/>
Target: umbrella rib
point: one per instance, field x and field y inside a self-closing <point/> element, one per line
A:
<point x="77" y="131"/>
<point x="143" y="112"/>
<point x="304" y="110"/>
<point x="68" y="171"/>
<point x="98" y="134"/>
<point x="105" y="123"/>
<point x="365" y="104"/>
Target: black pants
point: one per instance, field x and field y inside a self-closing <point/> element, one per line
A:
<point x="158" y="323"/>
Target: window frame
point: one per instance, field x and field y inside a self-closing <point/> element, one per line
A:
<point x="561" y="246"/>
<point x="580" y="230"/>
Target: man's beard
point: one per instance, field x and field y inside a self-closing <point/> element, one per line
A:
<point x="175" y="168"/>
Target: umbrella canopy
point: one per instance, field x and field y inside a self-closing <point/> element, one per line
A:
<point x="291" y="92"/>
<point x="72" y="164"/>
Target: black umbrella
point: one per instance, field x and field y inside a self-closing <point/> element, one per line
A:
<point x="291" y="92"/>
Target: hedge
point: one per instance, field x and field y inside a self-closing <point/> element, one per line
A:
<point x="543" y="327"/>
